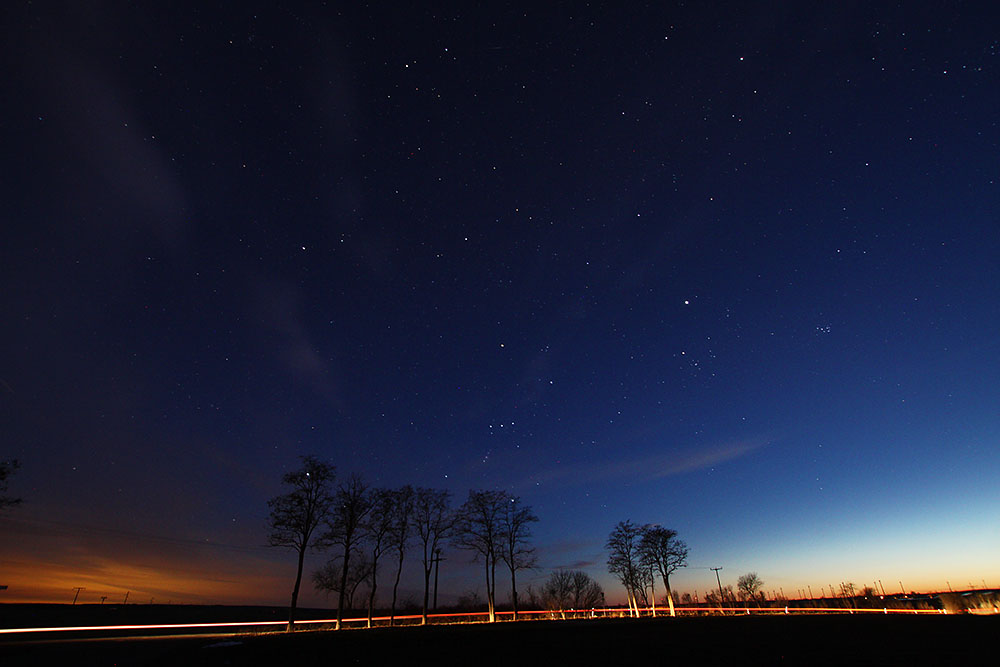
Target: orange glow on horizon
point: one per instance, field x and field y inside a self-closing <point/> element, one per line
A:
<point x="55" y="582"/>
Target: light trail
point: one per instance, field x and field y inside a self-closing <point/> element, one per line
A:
<point x="237" y="624"/>
<point x="592" y="613"/>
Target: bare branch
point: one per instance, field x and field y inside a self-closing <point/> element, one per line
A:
<point x="295" y="516"/>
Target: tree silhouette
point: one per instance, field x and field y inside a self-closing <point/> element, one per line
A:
<point x="400" y="536"/>
<point x="749" y="586"/>
<point x="660" y="549"/>
<point x="625" y="561"/>
<point x="515" y="548"/>
<point x="433" y="523"/>
<point x="478" y="529"/>
<point x="379" y="527"/>
<point x="296" y="515"/>
<point x="721" y="598"/>
<point x="330" y="578"/>
<point x="570" y="589"/>
<point x="346" y="529"/>
<point x="7" y="468"/>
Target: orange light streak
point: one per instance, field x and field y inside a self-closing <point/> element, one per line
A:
<point x="364" y="619"/>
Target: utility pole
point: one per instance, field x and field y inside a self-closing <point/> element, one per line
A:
<point x="437" y="565"/>
<point x="719" y="581"/>
<point x="78" y="589"/>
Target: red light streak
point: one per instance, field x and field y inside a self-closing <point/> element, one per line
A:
<point x="331" y="621"/>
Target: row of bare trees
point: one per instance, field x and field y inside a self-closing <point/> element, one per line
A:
<point x="363" y="524"/>
<point x="496" y="527"/>
<point x="637" y="554"/>
<point x="567" y="590"/>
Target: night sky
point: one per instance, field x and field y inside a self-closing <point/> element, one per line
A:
<point x="733" y="270"/>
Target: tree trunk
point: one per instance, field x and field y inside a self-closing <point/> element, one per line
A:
<point x="652" y="592"/>
<point x="395" y="587"/>
<point x="371" y="597"/>
<point x="670" y="595"/>
<point x="427" y="588"/>
<point x="343" y="588"/>
<point x="489" y="593"/>
<point x="493" y="591"/>
<point x="513" y="591"/>
<point x="295" y="590"/>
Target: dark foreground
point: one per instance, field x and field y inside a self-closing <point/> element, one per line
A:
<point x="794" y="640"/>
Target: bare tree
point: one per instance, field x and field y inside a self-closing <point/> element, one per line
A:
<point x="433" y="522"/>
<point x="557" y="592"/>
<point x="346" y="528"/>
<point x="848" y="591"/>
<point x="330" y="578"/>
<point x="587" y="593"/>
<point x="721" y="598"/>
<point x="515" y="549"/>
<point x="379" y="527"/>
<point x="749" y="586"/>
<point x="643" y="589"/>
<point x="470" y="601"/>
<point x="570" y="590"/>
<point x="478" y="529"/>
<point x="296" y="515"/>
<point x="625" y="561"/>
<point x="661" y="550"/>
<point x="400" y="536"/>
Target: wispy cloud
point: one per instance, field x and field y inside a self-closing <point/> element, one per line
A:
<point x="280" y="310"/>
<point x="648" y="468"/>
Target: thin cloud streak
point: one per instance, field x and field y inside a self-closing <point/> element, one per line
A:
<point x="649" y="468"/>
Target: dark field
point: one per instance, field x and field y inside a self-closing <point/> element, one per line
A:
<point x="842" y="640"/>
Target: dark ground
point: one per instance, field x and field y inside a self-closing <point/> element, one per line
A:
<point x="844" y="640"/>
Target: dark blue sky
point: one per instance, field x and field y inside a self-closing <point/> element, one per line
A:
<point x="734" y="271"/>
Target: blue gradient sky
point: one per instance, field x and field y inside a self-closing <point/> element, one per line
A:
<point x="733" y="271"/>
